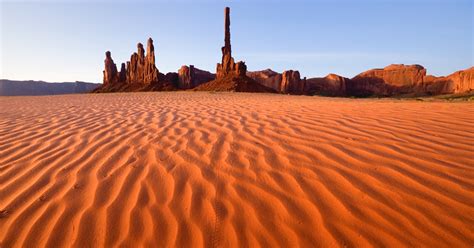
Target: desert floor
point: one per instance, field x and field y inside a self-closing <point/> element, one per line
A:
<point x="226" y="169"/>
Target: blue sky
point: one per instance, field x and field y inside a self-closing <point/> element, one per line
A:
<point x="66" y="40"/>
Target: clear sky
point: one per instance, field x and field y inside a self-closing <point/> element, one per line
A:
<point x="66" y="40"/>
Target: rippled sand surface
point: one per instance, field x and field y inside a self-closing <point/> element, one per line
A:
<point x="245" y="170"/>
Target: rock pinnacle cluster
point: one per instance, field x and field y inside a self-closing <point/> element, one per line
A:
<point x="141" y="74"/>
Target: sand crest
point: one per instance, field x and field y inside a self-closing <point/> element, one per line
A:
<point x="226" y="169"/>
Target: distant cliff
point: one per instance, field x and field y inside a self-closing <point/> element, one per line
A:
<point x="39" y="88"/>
<point x="393" y="80"/>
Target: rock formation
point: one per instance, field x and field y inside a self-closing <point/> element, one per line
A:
<point x="268" y="78"/>
<point x="190" y="77"/>
<point x="138" y="74"/>
<point x="331" y="85"/>
<point x="458" y="82"/>
<point x="141" y="74"/>
<point x="141" y="68"/>
<point x="110" y="71"/>
<point x="291" y="83"/>
<point x="463" y="80"/>
<point x="228" y="66"/>
<point x="391" y="80"/>
<point x="123" y="73"/>
<point x="396" y="75"/>
<point x="186" y="77"/>
<point x="408" y="80"/>
<point x="231" y="76"/>
<point x="151" y="72"/>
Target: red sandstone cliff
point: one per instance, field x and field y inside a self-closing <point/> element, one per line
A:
<point x="291" y="83"/>
<point x="408" y="80"/>
<point x="458" y="82"/>
<point x="267" y="78"/>
<point x="190" y="77"/>
<point x="391" y="80"/>
<point x="331" y="85"/>
<point x="288" y="82"/>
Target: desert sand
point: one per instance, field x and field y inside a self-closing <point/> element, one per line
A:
<point x="192" y="169"/>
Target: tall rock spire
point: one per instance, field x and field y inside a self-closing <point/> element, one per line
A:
<point x="141" y="68"/>
<point x="110" y="71"/>
<point x="228" y="65"/>
<point x="230" y="76"/>
<point x="151" y="72"/>
<point x="227" y="46"/>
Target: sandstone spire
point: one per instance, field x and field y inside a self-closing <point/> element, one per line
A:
<point x="110" y="71"/>
<point x="227" y="46"/>
<point x="228" y="66"/>
<point x="122" y="73"/>
<point x="151" y="72"/>
<point x="231" y="76"/>
<point x="142" y="69"/>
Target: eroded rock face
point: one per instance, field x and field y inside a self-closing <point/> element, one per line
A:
<point x="397" y="75"/>
<point x="458" y="82"/>
<point x="267" y="78"/>
<point x="291" y="83"/>
<point x="190" y="77"/>
<point x="110" y="71"/>
<point x="141" y="68"/>
<point x="151" y="72"/>
<point x="138" y="74"/>
<point x="331" y="85"/>
<point x="391" y="80"/>
<point x="123" y="73"/>
<point x="186" y="77"/>
<point x="463" y="81"/>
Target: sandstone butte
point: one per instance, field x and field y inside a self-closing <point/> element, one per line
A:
<point x="141" y="74"/>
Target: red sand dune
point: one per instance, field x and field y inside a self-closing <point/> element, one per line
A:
<point x="201" y="169"/>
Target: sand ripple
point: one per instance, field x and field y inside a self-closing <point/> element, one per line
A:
<point x="244" y="170"/>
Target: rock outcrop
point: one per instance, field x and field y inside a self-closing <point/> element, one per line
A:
<point x="110" y="71"/>
<point x="123" y="73"/>
<point x="267" y="78"/>
<point x="398" y="75"/>
<point x="463" y="80"/>
<point x="138" y="74"/>
<point x="291" y="83"/>
<point x="408" y="80"/>
<point x="231" y="76"/>
<point x="288" y="82"/>
<point x="141" y="68"/>
<point x="331" y="85"/>
<point x="228" y="67"/>
<point x="391" y="80"/>
<point x="190" y="77"/>
<point x="151" y="72"/>
<point x="458" y="82"/>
